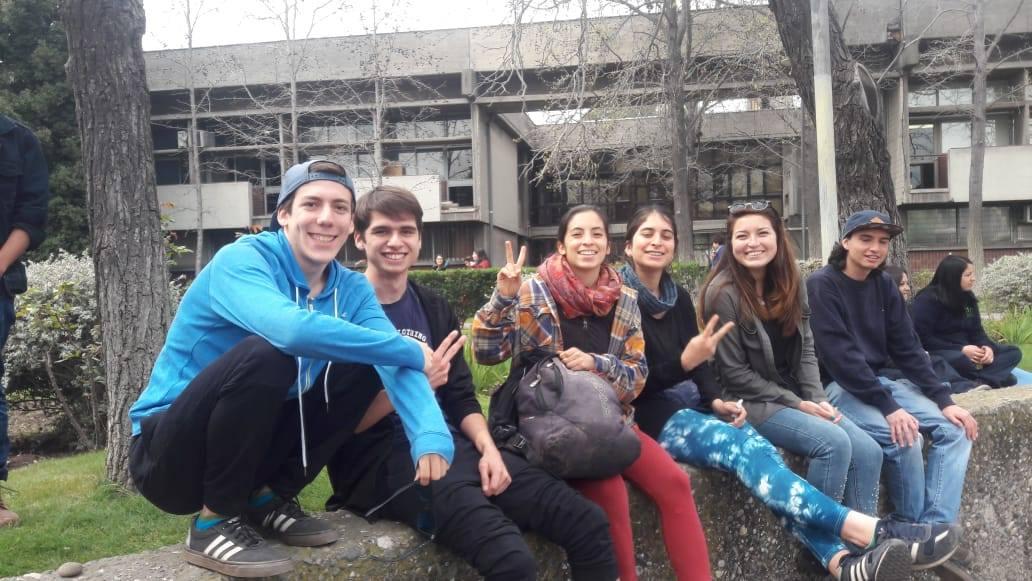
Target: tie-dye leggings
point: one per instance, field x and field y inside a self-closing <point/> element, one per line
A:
<point x="705" y="441"/>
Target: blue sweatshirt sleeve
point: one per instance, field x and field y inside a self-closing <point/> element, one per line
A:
<point x="905" y="348"/>
<point x="242" y="291"/>
<point x="836" y="348"/>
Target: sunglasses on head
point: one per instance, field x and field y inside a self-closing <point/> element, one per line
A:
<point x="755" y="206"/>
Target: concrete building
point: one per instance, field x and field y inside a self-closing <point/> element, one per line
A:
<point x="449" y="117"/>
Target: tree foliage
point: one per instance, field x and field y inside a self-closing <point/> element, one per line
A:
<point x="33" y="51"/>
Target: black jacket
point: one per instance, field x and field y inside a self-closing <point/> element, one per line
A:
<point x="458" y="397"/>
<point x="359" y="471"/>
<point x="943" y="329"/>
<point x="24" y="183"/>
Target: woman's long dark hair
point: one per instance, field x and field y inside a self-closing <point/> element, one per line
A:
<point x="946" y="284"/>
<point x="782" y="283"/>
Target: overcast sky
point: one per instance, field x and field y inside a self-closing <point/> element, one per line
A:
<point x="242" y="21"/>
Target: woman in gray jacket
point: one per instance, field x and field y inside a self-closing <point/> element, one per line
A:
<point x="768" y="359"/>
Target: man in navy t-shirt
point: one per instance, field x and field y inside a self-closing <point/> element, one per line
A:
<point x="488" y="495"/>
<point x="859" y="322"/>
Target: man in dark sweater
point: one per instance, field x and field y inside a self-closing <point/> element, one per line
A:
<point x="24" y="191"/>
<point x="488" y="496"/>
<point x="859" y="322"/>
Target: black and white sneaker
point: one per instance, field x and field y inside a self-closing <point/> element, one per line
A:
<point x="938" y="548"/>
<point x="889" y="561"/>
<point x="909" y="532"/>
<point x="233" y="548"/>
<point x="284" y="520"/>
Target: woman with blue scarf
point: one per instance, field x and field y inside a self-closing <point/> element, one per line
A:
<point x="681" y="379"/>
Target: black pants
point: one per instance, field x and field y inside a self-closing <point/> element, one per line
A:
<point x="997" y="374"/>
<point x="487" y="531"/>
<point x="233" y="430"/>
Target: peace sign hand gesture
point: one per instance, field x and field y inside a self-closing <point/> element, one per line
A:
<point x="440" y="362"/>
<point x="510" y="276"/>
<point x="704" y="345"/>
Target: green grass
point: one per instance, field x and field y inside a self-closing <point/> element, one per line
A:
<point x="69" y="514"/>
<point x="1026" y="357"/>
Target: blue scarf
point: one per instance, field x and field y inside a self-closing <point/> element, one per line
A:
<point x="649" y="303"/>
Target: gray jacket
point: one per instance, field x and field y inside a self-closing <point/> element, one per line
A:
<point x="745" y="358"/>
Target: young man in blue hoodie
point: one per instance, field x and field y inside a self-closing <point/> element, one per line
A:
<point x="859" y="323"/>
<point x="274" y="355"/>
<point x="489" y="496"/>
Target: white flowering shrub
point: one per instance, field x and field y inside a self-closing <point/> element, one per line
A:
<point x="1007" y="283"/>
<point x="808" y="267"/>
<point x="53" y="355"/>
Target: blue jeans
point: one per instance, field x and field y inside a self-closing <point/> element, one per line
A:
<point x="705" y="441"/>
<point x="919" y="494"/>
<point x="6" y="321"/>
<point x="845" y="462"/>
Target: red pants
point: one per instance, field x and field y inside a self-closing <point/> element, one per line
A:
<point x="657" y="475"/>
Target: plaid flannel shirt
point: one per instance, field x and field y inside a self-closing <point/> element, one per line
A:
<point x="495" y="332"/>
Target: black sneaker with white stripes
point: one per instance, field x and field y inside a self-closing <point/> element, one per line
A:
<point x="889" y="561"/>
<point x="938" y="548"/>
<point x="283" y="519"/>
<point x="233" y="548"/>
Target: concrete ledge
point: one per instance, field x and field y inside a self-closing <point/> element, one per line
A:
<point x="745" y="541"/>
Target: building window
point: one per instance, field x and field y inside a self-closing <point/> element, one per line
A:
<point x="932" y="227"/>
<point x="922" y="140"/>
<point x="460" y="164"/>
<point x="461" y="195"/>
<point x="922" y="175"/>
<point x="948" y="227"/>
<point x="171" y="171"/>
<point x="725" y="186"/>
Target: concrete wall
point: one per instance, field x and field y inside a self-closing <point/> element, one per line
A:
<point x="224" y="205"/>
<point x="1008" y="173"/>
<point x="427" y="189"/>
<point x="745" y="541"/>
<point x="867" y="19"/>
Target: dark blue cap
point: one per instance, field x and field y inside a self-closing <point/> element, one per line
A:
<point x="300" y="174"/>
<point x="869" y="220"/>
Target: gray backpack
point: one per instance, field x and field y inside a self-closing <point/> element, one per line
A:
<point x="573" y="423"/>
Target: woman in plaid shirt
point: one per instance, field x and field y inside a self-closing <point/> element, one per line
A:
<point x="578" y="307"/>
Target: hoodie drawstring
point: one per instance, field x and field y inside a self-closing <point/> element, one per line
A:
<point x="326" y="377"/>
<point x="300" y="403"/>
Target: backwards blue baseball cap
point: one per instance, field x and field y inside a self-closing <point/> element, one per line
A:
<point x="869" y="220"/>
<point x="302" y="173"/>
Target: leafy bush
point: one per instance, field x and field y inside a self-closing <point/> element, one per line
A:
<point x="920" y="279"/>
<point x="53" y="356"/>
<point x="1007" y="283"/>
<point x="690" y="275"/>
<point x="467" y="289"/>
<point x="1015" y="328"/>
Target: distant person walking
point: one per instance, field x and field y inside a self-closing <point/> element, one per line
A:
<point x="24" y="190"/>
<point x="716" y="250"/>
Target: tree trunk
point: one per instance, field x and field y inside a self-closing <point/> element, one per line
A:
<point x="976" y="252"/>
<point x="106" y="71"/>
<point x="681" y="143"/>
<point x="862" y="165"/>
